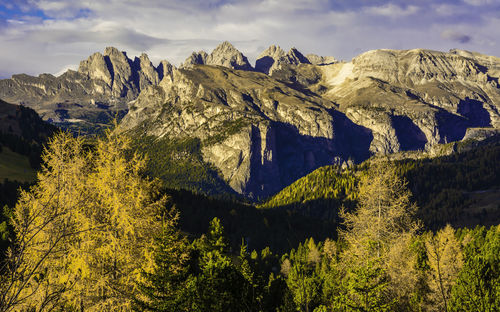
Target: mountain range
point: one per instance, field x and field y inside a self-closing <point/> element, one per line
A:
<point x="262" y="127"/>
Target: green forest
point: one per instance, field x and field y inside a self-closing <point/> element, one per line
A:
<point x="96" y="232"/>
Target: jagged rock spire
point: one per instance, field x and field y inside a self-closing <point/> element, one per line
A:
<point x="224" y="54"/>
<point x="274" y="58"/>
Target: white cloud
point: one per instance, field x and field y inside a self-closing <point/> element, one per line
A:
<point x="480" y="2"/>
<point x="392" y="10"/>
<point x="172" y="29"/>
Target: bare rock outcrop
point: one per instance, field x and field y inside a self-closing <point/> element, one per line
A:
<point x="274" y="58"/>
<point x="262" y="131"/>
<point x="265" y="128"/>
<point x="224" y="54"/>
<point x="253" y="128"/>
<point x="321" y="60"/>
<point x="101" y="88"/>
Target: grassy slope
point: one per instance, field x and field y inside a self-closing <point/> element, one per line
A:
<point x="15" y="166"/>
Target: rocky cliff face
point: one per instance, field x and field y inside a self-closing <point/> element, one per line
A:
<point x="224" y="54"/>
<point x="101" y="88"/>
<point x="259" y="132"/>
<point x="265" y="127"/>
<point x="431" y="97"/>
<point x="263" y="130"/>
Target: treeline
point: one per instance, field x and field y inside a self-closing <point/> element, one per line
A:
<point x="29" y="135"/>
<point x="21" y="146"/>
<point x="180" y="165"/>
<point x="328" y="187"/>
<point x="280" y="230"/>
<point x="442" y="187"/>
<point x="107" y="239"/>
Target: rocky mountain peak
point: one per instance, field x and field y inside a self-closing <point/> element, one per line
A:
<point x="225" y="54"/>
<point x="103" y="85"/>
<point x="274" y="58"/>
<point x="96" y="67"/>
<point x="295" y="57"/>
<point x="196" y="58"/>
<point x="146" y="73"/>
<point x="165" y="69"/>
<point x="273" y="51"/>
<point x="225" y="48"/>
<point x="321" y="60"/>
<point x="112" y="51"/>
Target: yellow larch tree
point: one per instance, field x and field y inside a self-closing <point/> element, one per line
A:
<point x="378" y="235"/>
<point x="445" y="257"/>
<point x="85" y="230"/>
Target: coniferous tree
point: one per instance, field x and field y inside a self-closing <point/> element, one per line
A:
<point x="302" y="271"/>
<point x="444" y="254"/>
<point x="83" y="231"/>
<point x="218" y="285"/>
<point x="164" y="287"/>
<point x="477" y="287"/>
<point x="378" y="235"/>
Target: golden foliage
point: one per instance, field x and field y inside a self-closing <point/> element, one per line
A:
<point x="445" y="258"/>
<point x="380" y="232"/>
<point x="85" y="229"/>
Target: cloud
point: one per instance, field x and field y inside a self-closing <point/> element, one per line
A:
<point x="392" y="10"/>
<point x="479" y="2"/>
<point x="45" y="35"/>
<point x="109" y="35"/>
<point x="455" y="36"/>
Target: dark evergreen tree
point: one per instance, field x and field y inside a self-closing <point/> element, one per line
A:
<point x="478" y="284"/>
<point x="219" y="285"/>
<point x="164" y="289"/>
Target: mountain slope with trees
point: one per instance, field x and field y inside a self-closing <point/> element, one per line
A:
<point x="109" y="239"/>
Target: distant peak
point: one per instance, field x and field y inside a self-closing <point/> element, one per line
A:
<point x="273" y="51"/>
<point x="296" y="57"/>
<point x="226" y="45"/>
<point x="112" y="51"/>
<point x="225" y="54"/>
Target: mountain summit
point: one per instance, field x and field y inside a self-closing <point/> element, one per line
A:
<point x="263" y="128"/>
<point x="224" y="54"/>
<point x="275" y="58"/>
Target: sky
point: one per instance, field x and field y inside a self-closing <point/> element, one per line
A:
<point x="50" y="36"/>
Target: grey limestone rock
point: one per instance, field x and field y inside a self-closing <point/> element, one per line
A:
<point x="102" y="86"/>
<point x="265" y="128"/>
<point x="224" y="54"/>
<point x="274" y="58"/>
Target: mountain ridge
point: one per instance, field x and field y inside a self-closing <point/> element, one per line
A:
<point x="267" y="126"/>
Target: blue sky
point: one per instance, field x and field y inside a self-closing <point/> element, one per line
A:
<point x="38" y="36"/>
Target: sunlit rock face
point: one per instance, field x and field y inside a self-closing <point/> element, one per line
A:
<point x="102" y="86"/>
<point x="265" y="126"/>
<point x="224" y="54"/>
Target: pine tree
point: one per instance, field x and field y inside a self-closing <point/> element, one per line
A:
<point x="164" y="288"/>
<point x="477" y="287"/>
<point x="302" y="270"/>
<point x="218" y="285"/>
